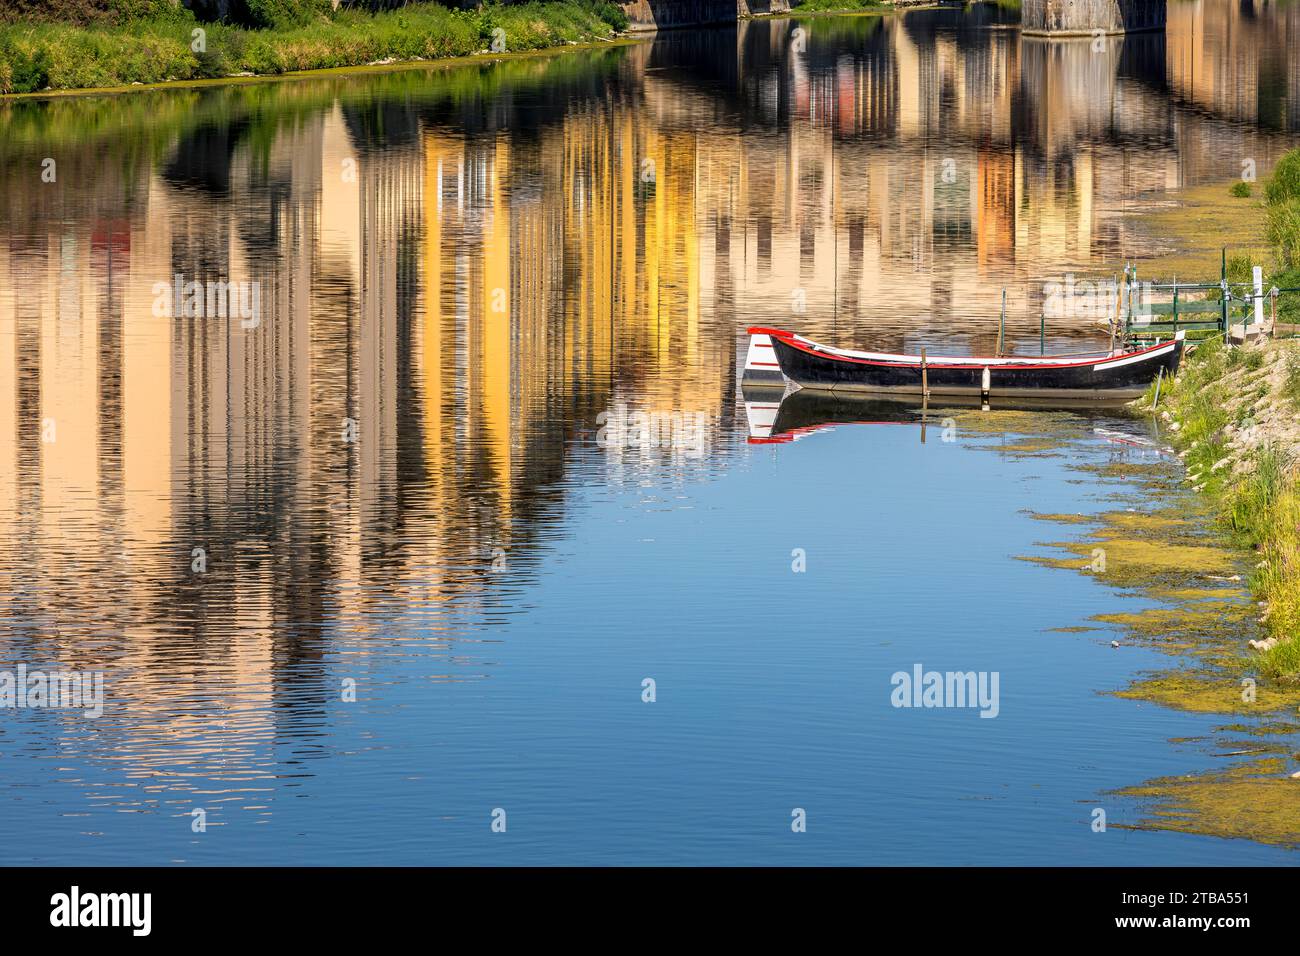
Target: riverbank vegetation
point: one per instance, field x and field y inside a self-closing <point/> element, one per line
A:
<point x="1282" y="218"/>
<point x="838" y="6"/>
<point x="1233" y="412"/>
<point x="83" y="44"/>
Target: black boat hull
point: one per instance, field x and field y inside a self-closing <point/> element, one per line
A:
<point x="1113" y="377"/>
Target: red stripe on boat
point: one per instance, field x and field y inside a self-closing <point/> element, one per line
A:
<point x="972" y="362"/>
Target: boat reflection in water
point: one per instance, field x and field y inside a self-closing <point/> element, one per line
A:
<point x="776" y="416"/>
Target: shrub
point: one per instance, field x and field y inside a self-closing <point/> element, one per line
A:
<point x="1283" y="230"/>
<point x="1284" y="184"/>
<point x="1282" y="216"/>
<point x="155" y="11"/>
<point x="611" y="13"/>
<point x="23" y="68"/>
<point x="487" y="24"/>
<point x="1240" y="189"/>
<point x="92" y="11"/>
<point x="54" y="11"/>
<point x="1291" y="386"/>
<point x="224" y="53"/>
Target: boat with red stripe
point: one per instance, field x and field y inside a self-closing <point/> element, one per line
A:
<point x="808" y="364"/>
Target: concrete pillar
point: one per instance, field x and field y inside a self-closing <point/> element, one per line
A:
<point x="750" y="8"/>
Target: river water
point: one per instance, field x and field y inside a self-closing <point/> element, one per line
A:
<point x="363" y="574"/>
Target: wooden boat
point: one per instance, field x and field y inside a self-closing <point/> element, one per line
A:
<point x="776" y="355"/>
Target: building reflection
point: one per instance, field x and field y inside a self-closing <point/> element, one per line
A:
<point x="458" y="274"/>
<point x="1236" y="60"/>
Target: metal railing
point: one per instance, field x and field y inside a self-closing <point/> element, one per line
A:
<point x="1208" y="307"/>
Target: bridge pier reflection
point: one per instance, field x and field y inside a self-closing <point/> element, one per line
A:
<point x="1089" y="17"/>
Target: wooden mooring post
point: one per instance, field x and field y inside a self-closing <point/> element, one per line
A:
<point x="925" y="391"/>
<point x="1002" y="324"/>
<point x="1119" y="309"/>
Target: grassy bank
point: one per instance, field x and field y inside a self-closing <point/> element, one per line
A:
<point x="1233" y="413"/>
<point x="134" y="43"/>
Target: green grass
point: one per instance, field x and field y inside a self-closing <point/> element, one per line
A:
<point x="1291" y="384"/>
<point x="1241" y="189"/>
<point x="1262" y="508"/>
<point x="1284" y="658"/>
<point x="1265" y="510"/>
<point x="1249" y="506"/>
<point x="1282" y="209"/>
<point x="1252" y="360"/>
<point x="1284" y="184"/>
<point x="1283" y="230"/>
<point x="1198" y="399"/>
<point x="835" y="6"/>
<point x="62" y="56"/>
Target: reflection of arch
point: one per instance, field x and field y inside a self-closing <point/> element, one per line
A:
<point x="202" y="158"/>
<point x="657" y="14"/>
<point x="966" y="27"/>
<point x="702" y="58"/>
<point x="772" y="75"/>
<point x="382" y="123"/>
